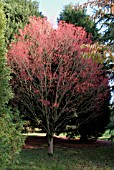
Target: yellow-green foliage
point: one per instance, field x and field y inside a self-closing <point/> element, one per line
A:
<point x="99" y="52"/>
<point x="11" y="138"/>
<point x="5" y="90"/>
<point x="2" y="21"/>
<point x="11" y="124"/>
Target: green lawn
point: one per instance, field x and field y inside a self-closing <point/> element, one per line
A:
<point x="80" y="158"/>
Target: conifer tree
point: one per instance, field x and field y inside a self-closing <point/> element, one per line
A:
<point x="17" y="13"/>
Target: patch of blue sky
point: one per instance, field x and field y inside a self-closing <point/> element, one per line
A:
<point x="52" y="8"/>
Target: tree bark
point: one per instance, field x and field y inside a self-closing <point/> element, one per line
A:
<point x="50" y="145"/>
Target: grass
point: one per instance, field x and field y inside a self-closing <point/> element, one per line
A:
<point x="80" y="158"/>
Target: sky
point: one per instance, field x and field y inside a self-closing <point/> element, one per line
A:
<point x="52" y="8"/>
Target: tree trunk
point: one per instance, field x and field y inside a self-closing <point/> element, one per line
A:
<point x="83" y="138"/>
<point x="50" y="145"/>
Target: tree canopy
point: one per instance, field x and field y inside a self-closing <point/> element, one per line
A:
<point x="76" y="15"/>
<point x="17" y="13"/>
<point x="11" y="139"/>
<point x="5" y="90"/>
<point x="103" y="15"/>
<point x="52" y="79"/>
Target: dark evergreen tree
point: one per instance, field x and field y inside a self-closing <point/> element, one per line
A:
<point x="78" y="16"/>
<point x="17" y="13"/>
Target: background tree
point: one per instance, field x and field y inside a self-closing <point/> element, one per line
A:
<point x="103" y="15"/>
<point x="17" y="13"/>
<point x="49" y="69"/>
<point x="76" y="15"/>
<point x="11" y="139"/>
<point x="104" y="18"/>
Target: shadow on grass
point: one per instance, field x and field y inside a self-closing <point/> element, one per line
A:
<point x="68" y="155"/>
<point x="41" y="142"/>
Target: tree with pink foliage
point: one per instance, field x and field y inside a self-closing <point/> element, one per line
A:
<point x="49" y="69"/>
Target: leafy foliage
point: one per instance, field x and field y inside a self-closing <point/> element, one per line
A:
<point x="77" y="16"/>
<point x="111" y="123"/>
<point x="11" y="138"/>
<point x="103" y="14"/>
<point x="17" y="13"/>
<point x="52" y="79"/>
<point x="5" y="90"/>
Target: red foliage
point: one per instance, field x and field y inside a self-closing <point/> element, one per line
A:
<point x="53" y="57"/>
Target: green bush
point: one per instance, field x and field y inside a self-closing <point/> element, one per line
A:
<point x="11" y="138"/>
